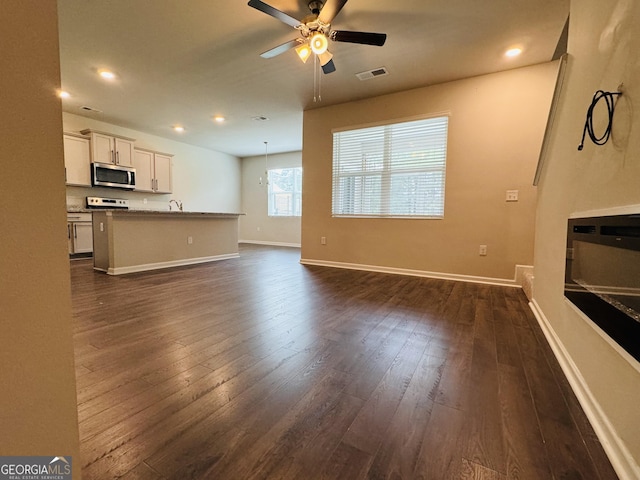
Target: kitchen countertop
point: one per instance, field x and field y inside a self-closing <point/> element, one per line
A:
<point x="150" y="212"/>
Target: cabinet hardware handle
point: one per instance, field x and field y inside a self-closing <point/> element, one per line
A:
<point x="113" y="157"/>
<point x="75" y="231"/>
<point x="69" y="231"/>
<point x="117" y="158"/>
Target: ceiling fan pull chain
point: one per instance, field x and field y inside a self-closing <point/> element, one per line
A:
<point x="319" y="84"/>
<point x="315" y="78"/>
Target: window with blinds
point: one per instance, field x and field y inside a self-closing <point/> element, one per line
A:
<point x="395" y="170"/>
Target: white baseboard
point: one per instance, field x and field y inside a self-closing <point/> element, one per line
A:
<point x="169" y="264"/>
<point x="621" y="460"/>
<point x="415" y="273"/>
<point x="273" y="244"/>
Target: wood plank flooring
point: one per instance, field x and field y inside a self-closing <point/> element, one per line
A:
<point x="261" y="368"/>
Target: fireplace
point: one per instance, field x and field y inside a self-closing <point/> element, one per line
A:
<point x="602" y="275"/>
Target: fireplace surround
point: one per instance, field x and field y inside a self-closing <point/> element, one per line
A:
<point x="602" y="275"/>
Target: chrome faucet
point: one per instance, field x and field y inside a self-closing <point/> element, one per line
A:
<point x="178" y="204"/>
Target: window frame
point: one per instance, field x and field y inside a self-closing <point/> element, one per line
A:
<point x="296" y="194"/>
<point x="432" y="171"/>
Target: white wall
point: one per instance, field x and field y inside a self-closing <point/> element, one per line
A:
<point x="256" y="226"/>
<point x="604" y="48"/>
<point x="204" y="180"/>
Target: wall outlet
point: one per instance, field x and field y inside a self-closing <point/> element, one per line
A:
<point x="101" y="226"/>
<point x="258" y="228"/>
<point x="512" y="195"/>
<point x="483" y="250"/>
<point x="144" y="200"/>
<point x="190" y="240"/>
<point x="323" y="240"/>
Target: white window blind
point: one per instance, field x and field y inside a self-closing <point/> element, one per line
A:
<point x="395" y="170"/>
<point x="285" y="192"/>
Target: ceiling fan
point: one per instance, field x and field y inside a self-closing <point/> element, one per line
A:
<point x="315" y="32"/>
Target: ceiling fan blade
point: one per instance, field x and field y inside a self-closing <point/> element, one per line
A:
<point x="365" y="38"/>
<point x="280" y="49"/>
<point x="325" y="58"/>
<point x="330" y="9"/>
<point x="269" y="10"/>
<point x="328" y="67"/>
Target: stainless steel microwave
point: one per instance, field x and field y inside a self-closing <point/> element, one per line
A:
<point x="115" y="176"/>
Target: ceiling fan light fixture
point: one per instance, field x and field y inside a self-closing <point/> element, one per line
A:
<point x="319" y="43"/>
<point x="304" y="52"/>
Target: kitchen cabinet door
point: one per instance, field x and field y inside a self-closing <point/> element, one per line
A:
<point x="153" y="171"/>
<point x="124" y="152"/>
<point x="162" y="170"/>
<point x="77" y="160"/>
<point x="107" y="148"/>
<point x="143" y="163"/>
<point x="102" y="148"/>
<point x="80" y="232"/>
<point x="82" y="237"/>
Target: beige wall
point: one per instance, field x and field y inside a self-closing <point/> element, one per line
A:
<point x="495" y="132"/>
<point x="204" y="180"/>
<point x="256" y="226"/>
<point x="604" y="46"/>
<point x="38" y="400"/>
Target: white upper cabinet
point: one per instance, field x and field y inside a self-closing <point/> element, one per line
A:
<point x="153" y="171"/>
<point x="143" y="163"/>
<point x="108" y="148"/>
<point x="77" y="160"/>
<point x="162" y="169"/>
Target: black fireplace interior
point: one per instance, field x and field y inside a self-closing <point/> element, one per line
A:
<point x="602" y="276"/>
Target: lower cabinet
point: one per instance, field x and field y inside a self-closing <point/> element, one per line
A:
<point x="79" y="233"/>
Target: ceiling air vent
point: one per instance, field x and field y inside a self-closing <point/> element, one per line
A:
<point x="90" y="109"/>
<point x="376" y="72"/>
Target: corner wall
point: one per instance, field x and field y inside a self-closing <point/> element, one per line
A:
<point x="495" y="132"/>
<point x="604" y="42"/>
<point x="38" y="413"/>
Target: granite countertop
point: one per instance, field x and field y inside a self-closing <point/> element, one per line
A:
<point x="148" y="212"/>
<point x="79" y="210"/>
<point x="173" y="212"/>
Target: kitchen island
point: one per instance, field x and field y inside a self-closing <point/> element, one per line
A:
<point x="127" y="241"/>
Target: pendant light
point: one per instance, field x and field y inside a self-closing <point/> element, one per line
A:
<point x="266" y="165"/>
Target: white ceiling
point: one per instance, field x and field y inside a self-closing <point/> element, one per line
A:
<point x="184" y="62"/>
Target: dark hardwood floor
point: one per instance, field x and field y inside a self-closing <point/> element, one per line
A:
<point x="259" y="367"/>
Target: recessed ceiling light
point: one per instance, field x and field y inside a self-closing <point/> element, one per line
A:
<point x="107" y="74"/>
<point x="178" y="128"/>
<point x="63" y="94"/>
<point x="219" y="118"/>
<point x="513" y="52"/>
